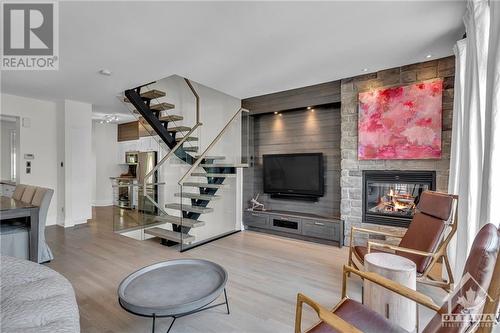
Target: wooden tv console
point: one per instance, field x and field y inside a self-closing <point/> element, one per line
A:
<point x="311" y="227"/>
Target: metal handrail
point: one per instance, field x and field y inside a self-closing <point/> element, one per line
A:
<point x="214" y="141"/>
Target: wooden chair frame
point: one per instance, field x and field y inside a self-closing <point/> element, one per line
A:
<point x="341" y="325"/>
<point x="436" y="256"/>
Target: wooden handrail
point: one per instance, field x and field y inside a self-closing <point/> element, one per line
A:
<point x="210" y="146"/>
<point x="190" y="85"/>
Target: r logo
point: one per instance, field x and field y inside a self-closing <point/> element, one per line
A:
<point x="28" y="29"/>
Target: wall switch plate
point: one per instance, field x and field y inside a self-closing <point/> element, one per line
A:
<point x="26" y="122"/>
<point x="29" y="156"/>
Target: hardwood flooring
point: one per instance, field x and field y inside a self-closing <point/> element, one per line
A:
<point x="265" y="274"/>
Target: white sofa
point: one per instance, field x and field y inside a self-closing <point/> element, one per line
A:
<point x="35" y="299"/>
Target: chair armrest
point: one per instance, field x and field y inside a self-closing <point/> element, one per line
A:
<point x="326" y="316"/>
<point x="398" y="248"/>
<point x="394" y="287"/>
<point x="375" y="232"/>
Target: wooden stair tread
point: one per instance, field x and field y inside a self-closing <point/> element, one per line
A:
<point x="193" y="149"/>
<point x="179" y="129"/>
<point x="197" y="196"/>
<point x="170" y="117"/>
<point x="162" y="106"/>
<point x="224" y="165"/>
<point x="204" y="185"/>
<point x="150" y="94"/>
<point x="220" y="175"/>
<point x="185" y="222"/>
<point x="170" y="235"/>
<point x="190" y="138"/>
<point x="189" y="208"/>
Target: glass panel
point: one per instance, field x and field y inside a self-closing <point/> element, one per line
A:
<point x="204" y="207"/>
<point x="395" y="199"/>
<point x="209" y="195"/>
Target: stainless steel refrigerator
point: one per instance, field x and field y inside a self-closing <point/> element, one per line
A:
<point x="146" y="163"/>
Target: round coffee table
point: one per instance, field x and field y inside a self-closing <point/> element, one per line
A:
<point x="173" y="288"/>
<point x="398" y="309"/>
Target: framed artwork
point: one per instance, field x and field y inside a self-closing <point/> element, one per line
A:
<point x="401" y="122"/>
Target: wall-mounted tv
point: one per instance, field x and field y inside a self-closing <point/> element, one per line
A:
<point x="294" y="175"/>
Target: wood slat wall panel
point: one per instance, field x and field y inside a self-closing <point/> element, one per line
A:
<point x="297" y="132"/>
<point x="318" y="94"/>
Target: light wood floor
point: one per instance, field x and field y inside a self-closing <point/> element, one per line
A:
<point x="265" y="274"/>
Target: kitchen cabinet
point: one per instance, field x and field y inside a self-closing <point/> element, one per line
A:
<point x="128" y="131"/>
<point x="134" y="130"/>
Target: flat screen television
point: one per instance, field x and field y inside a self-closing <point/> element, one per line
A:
<point x="294" y="175"/>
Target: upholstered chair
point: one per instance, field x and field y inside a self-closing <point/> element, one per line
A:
<point x="425" y="242"/>
<point x="481" y="278"/>
<point x="18" y="192"/>
<point x="41" y="199"/>
<point x="29" y="192"/>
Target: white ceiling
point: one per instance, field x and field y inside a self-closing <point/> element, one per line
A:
<point x="244" y="49"/>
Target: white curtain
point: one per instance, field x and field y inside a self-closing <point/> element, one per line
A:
<point x="475" y="153"/>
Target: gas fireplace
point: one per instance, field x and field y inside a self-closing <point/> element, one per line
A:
<point x="390" y="197"/>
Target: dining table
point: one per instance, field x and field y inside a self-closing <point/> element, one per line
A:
<point x="13" y="209"/>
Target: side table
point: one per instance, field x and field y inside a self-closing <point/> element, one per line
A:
<point x="394" y="307"/>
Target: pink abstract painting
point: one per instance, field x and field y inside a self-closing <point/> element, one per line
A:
<point x="401" y="122"/>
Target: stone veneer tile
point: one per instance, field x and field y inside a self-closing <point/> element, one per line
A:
<point x="351" y="173"/>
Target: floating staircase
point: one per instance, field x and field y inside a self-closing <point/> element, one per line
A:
<point x="178" y="138"/>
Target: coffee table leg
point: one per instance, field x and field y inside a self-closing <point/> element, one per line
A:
<point x="227" y="303"/>
<point x="171" y="324"/>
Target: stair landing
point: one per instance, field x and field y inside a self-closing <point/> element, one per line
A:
<point x="170" y="235"/>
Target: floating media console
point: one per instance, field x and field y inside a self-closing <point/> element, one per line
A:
<point x="311" y="227"/>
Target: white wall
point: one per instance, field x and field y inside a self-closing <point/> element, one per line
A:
<point x="78" y="162"/>
<point x="216" y="108"/>
<point x="106" y="157"/>
<point x="40" y="139"/>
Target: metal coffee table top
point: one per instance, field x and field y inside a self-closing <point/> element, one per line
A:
<point x="172" y="287"/>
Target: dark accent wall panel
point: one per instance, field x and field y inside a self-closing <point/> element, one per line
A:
<point x="300" y="131"/>
<point x="318" y="94"/>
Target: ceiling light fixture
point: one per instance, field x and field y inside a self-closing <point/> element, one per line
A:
<point x="309" y="107"/>
<point x="312" y="110"/>
<point x="279" y="114"/>
<point x="365" y="69"/>
<point x="105" y="72"/>
<point x="428" y="56"/>
<point x="275" y="112"/>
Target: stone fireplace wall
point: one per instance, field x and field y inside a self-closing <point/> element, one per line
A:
<point x="351" y="175"/>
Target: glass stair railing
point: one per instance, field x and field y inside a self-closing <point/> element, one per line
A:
<point x="194" y="195"/>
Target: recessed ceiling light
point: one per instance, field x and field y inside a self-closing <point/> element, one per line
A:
<point x="428" y="56"/>
<point x="105" y="72"/>
<point x="365" y="69"/>
<point x="309" y="107"/>
<point x="280" y="114"/>
<point x="275" y="112"/>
